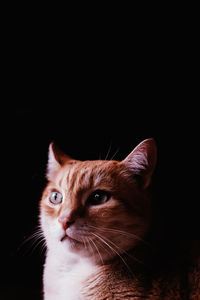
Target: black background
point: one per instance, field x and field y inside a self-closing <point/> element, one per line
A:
<point x="88" y="98"/>
<point x="86" y="131"/>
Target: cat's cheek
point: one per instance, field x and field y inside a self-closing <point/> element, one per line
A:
<point x="104" y="214"/>
<point x="52" y="231"/>
<point x="49" y="209"/>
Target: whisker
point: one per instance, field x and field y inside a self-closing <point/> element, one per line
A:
<point x="114" y="250"/>
<point x="34" y="240"/>
<point x="97" y="251"/>
<point x="88" y="239"/>
<point x="115" y="154"/>
<point x="108" y="150"/>
<point x="38" y="242"/>
<point x="43" y="248"/>
<point x="32" y="236"/>
<point x="84" y="242"/>
<point x="121" y="249"/>
<point x="124" y="252"/>
<point x="128" y="234"/>
<point x="101" y="245"/>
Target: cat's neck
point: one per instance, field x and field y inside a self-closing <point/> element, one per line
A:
<point x="64" y="275"/>
<point x="66" y="261"/>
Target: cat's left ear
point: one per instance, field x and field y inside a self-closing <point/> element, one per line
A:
<point x="142" y="161"/>
<point x="56" y="159"/>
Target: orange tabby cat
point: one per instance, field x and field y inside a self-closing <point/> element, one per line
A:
<point x="95" y="216"/>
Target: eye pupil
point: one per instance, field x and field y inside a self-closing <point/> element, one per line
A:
<point x="98" y="197"/>
<point x="55" y="197"/>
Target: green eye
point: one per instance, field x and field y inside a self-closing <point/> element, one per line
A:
<point x="98" y="197"/>
<point x="55" y="197"/>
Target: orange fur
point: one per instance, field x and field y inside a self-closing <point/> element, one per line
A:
<point x="107" y="235"/>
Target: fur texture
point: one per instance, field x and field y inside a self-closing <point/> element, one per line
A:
<point x="95" y="216"/>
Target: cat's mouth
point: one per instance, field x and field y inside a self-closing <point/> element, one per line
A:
<point x="67" y="237"/>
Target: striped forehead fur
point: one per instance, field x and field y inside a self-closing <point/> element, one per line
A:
<point x="86" y="174"/>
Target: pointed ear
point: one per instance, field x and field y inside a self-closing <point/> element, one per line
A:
<point x="142" y="161"/>
<point x="56" y="158"/>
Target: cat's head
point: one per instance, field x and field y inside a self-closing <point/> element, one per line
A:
<point x="97" y="208"/>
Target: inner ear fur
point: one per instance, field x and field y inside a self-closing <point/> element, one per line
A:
<point x="56" y="159"/>
<point x="141" y="161"/>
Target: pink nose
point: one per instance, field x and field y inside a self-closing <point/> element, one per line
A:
<point x="65" y="221"/>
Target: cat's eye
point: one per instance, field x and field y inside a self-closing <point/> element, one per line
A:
<point x="55" y="197"/>
<point x="98" y="197"/>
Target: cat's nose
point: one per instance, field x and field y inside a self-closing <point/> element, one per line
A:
<point x="65" y="221"/>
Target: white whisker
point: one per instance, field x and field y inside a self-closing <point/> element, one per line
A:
<point x="123" y="251"/>
<point x="98" y="251"/>
<point x="108" y="150"/>
<point x="104" y="248"/>
<point x="114" y="154"/>
<point x="33" y="241"/>
<point x="128" y="234"/>
<point x="37" y="243"/>
<point x="114" y="250"/>
<point x="85" y="243"/>
<point x="88" y="239"/>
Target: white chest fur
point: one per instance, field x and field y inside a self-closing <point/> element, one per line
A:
<point x="63" y="278"/>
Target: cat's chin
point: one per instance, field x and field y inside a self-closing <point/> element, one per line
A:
<point x="73" y="244"/>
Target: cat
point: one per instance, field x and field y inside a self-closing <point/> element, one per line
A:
<point x="96" y="218"/>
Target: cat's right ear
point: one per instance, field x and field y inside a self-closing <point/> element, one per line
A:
<point x="56" y="159"/>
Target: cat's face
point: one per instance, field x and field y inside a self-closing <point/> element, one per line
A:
<point x="97" y="208"/>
